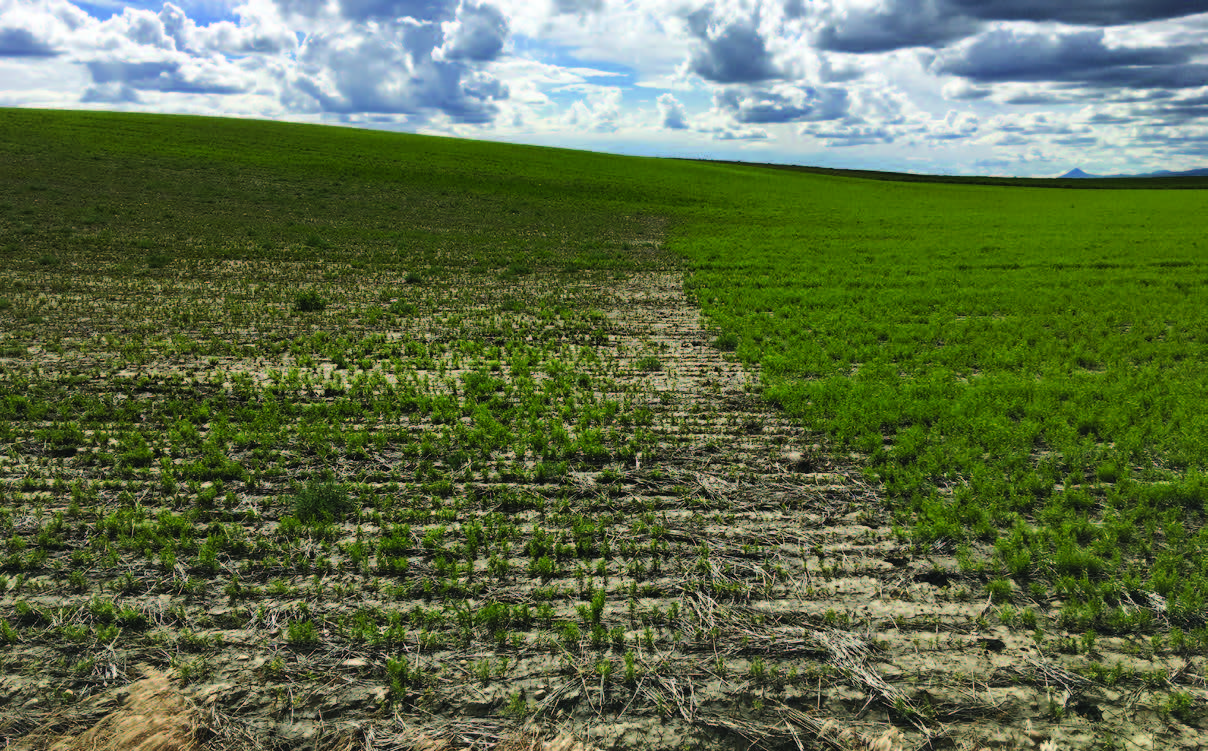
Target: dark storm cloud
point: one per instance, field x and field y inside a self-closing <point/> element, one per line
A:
<point x="894" y="25"/>
<point x="1080" y="58"/>
<point x="1187" y="76"/>
<point x="1079" y="12"/>
<point x="730" y="52"/>
<point x="1183" y="109"/>
<point x="901" y="24"/>
<point x="795" y="104"/>
<point x="1011" y="55"/>
<point x="22" y="43"/>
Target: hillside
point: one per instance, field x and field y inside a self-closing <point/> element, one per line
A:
<point x="372" y="440"/>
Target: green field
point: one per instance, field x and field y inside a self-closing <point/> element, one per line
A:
<point x="430" y="436"/>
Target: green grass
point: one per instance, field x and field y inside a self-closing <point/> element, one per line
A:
<point x="1018" y="367"/>
<point x="211" y="189"/>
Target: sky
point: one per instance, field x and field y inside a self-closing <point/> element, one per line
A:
<point x="991" y="87"/>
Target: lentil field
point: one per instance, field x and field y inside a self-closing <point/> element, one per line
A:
<point x="359" y="440"/>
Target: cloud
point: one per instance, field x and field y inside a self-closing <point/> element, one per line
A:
<point x="1080" y="57"/>
<point x="1077" y="141"/>
<point x="578" y="7"/>
<point x="1108" y="118"/>
<point x="599" y="111"/>
<point x="783" y="103"/>
<point x="1038" y="123"/>
<point x="1003" y="138"/>
<point x="738" y="134"/>
<point x="864" y="27"/>
<point x="1125" y="77"/>
<point x="671" y="113"/>
<point x="1184" y="108"/>
<point x="1078" y="12"/>
<point x="114" y="92"/>
<point x="22" y="43"/>
<point x="478" y="33"/>
<point x="391" y="69"/>
<point x="731" y="50"/>
<point x="794" y="9"/>
<point x="1033" y="96"/>
<point x="889" y="26"/>
<point x="962" y="90"/>
<point x="391" y="10"/>
<point x="196" y="77"/>
<point x="849" y="134"/>
<point x="254" y="34"/>
<point x="400" y="57"/>
<point x="955" y="126"/>
<point x="1173" y="142"/>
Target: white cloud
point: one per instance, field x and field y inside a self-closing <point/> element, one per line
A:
<point x="598" y="111"/>
<point x="477" y="33"/>
<point x="957" y="82"/>
<point x="960" y="89"/>
<point x="672" y="113"/>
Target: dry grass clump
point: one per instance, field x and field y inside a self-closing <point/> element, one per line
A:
<point x="153" y="716"/>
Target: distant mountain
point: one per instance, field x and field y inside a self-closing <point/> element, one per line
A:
<point x="1078" y="173"/>
<point x="1168" y="173"/>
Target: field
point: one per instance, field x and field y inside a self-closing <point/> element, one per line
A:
<point x="371" y="440"/>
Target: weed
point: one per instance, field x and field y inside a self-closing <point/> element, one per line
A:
<point x="726" y="341"/>
<point x="302" y="634"/>
<point x="309" y="301"/>
<point x="999" y="590"/>
<point x="322" y="501"/>
<point x="648" y="364"/>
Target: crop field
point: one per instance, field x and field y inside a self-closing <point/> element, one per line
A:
<point x="336" y="439"/>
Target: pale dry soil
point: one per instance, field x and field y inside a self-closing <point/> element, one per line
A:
<point x="766" y="602"/>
